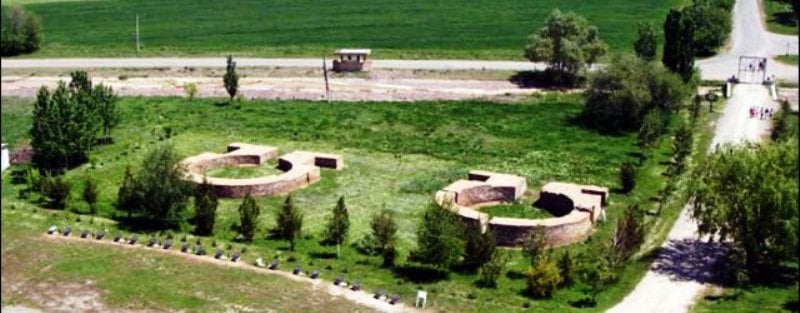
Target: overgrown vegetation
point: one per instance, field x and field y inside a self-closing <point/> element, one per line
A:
<point x="20" y="31"/>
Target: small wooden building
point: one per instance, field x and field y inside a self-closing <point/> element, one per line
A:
<point x="352" y="60"/>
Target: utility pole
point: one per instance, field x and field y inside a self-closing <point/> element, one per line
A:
<point x="137" y="33"/>
<point x="327" y="96"/>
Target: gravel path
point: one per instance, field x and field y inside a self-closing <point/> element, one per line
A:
<point x="685" y="264"/>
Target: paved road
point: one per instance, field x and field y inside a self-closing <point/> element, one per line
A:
<point x="685" y="264"/>
<point x="748" y="38"/>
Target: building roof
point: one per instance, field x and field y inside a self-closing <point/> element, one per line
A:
<point x="354" y="51"/>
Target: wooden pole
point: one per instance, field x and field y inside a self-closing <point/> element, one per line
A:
<point x="327" y="87"/>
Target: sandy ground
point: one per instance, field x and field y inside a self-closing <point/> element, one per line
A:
<point x="361" y="297"/>
<point x="306" y="88"/>
<point x="685" y="264"/>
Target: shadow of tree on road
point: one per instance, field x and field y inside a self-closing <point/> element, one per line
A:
<point x="692" y="260"/>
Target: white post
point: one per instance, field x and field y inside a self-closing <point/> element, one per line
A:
<point x="137" y="33"/>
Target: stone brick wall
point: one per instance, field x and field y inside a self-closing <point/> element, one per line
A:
<point x="299" y="170"/>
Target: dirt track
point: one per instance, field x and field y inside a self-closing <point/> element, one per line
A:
<point x="342" y="89"/>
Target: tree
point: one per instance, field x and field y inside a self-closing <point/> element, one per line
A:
<point x="622" y="93"/>
<point x="681" y="147"/>
<point x="205" y="208"/>
<point x="56" y="190"/>
<point x="567" y="268"/>
<point x="231" y="78"/>
<point x="159" y="190"/>
<point x="90" y="194"/>
<point x="479" y="247"/>
<point x="652" y="128"/>
<point x="128" y="197"/>
<point x="106" y="103"/>
<point x="490" y="271"/>
<point x="440" y="240"/>
<point x="566" y="42"/>
<point x="627" y="176"/>
<point x="536" y="247"/>
<point x="248" y="218"/>
<point x="59" y="131"/>
<point x="645" y="44"/>
<point x="20" y="32"/>
<point x="711" y="23"/>
<point x="749" y="196"/>
<point x="339" y="224"/>
<point x="290" y="222"/>
<point x="542" y="278"/>
<point x="595" y="274"/>
<point x="679" y="50"/>
<point x="384" y="233"/>
<point x="628" y="235"/>
<point x="66" y="123"/>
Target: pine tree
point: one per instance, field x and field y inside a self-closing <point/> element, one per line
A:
<point x="384" y="233"/>
<point x="479" y="247"/>
<point x="231" y="78"/>
<point x="536" y="247"/>
<point x="90" y="194"/>
<point x="440" y="240"/>
<point x="205" y="206"/>
<point x="248" y="217"/>
<point x="336" y="232"/>
<point x="290" y="222"/>
<point x="127" y="197"/>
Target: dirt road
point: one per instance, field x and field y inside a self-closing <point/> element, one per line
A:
<point x="342" y="89"/>
<point x="685" y="264"/>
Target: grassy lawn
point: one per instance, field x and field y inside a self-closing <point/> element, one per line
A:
<point x="787" y="59"/>
<point x="516" y="210"/>
<point x="481" y="29"/>
<point x="137" y="279"/>
<point x="245" y="171"/>
<point x="780" y="18"/>
<point x="397" y="155"/>
<point x="774" y="298"/>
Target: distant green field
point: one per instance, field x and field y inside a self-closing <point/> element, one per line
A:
<point x="480" y="29"/>
<point x="788" y="59"/>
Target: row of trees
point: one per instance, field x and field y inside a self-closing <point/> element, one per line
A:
<point x="68" y="122"/>
<point x="19" y="32"/>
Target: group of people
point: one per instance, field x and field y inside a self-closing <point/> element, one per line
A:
<point x="761" y="112"/>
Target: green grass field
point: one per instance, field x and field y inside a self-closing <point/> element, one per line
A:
<point x="482" y="29"/>
<point x="239" y="171"/>
<point x="397" y="155"/>
<point x="780" y="18"/>
<point x="774" y="298"/>
<point x="787" y="59"/>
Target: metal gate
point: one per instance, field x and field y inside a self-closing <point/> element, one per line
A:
<point x="752" y="70"/>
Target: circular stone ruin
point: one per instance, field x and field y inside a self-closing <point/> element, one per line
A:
<point x="580" y="206"/>
<point x="300" y="169"/>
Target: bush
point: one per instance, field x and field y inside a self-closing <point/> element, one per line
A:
<point x="566" y="267"/>
<point x="542" y="279"/>
<point x="90" y="194"/>
<point x="56" y="190"/>
<point x="290" y="222"/>
<point x="20" y="32"/>
<point x="652" y="128"/>
<point x="248" y="219"/>
<point x="627" y="176"/>
<point x="191" y="90"/>
<point x="628" y="235"/>
<point x="479" y="247"/>
<point x="490" y="271"/>
<point x="536" y="247"/>
<point x="622" y="93"/>
<point x="205" y="209"/>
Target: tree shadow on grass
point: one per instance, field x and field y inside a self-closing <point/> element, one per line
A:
<point x="545" y="80"/>
<point x="139" y="224"/>
<point x="323" y="255"/>
<point x="515" y="275"/>
<point x="419" y="274"/>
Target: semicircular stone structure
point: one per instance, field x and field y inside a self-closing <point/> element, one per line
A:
<point x="582" y="205"/>
<point x="300" y="169"/>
